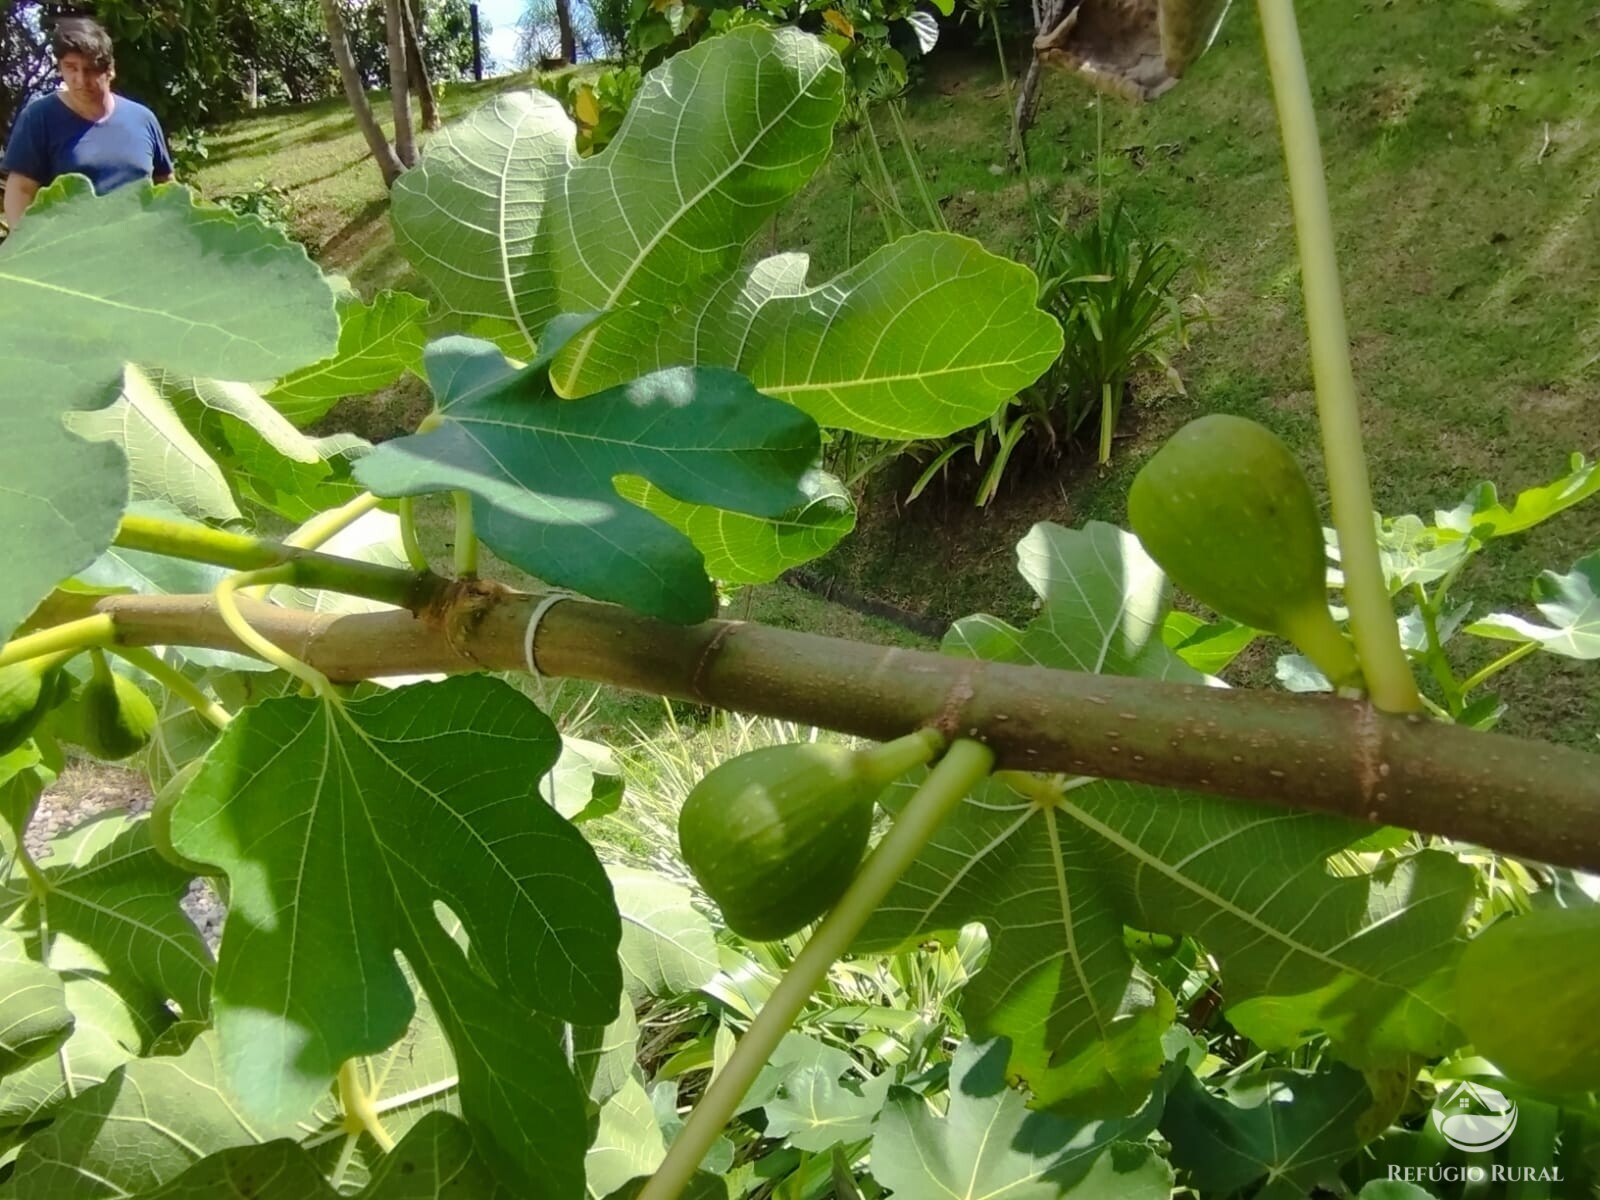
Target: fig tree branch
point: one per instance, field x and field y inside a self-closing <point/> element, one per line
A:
<point x="1533" y="799"/>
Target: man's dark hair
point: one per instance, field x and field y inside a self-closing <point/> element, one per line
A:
<point x="80" y="35"/>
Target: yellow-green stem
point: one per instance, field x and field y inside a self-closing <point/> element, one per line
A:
<point x="417" y="560"/>
<point x="1498" y="665"/>
<point x="466" y="550"/>
<point x="98" y="630"/>
<point x="1372" y="623"/>
<point x="1108" y="423"/>
<point x="966" y="765"/>
<point x="243" y="552"/>
<point x="228" y="608"/>
<point x="325" y="526"/>
<point x="359" y="1114"/>
<point x="176" y="682"/>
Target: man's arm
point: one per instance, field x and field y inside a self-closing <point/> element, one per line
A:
<point x="20" y="191"/>
<point x="27" y="162"/>
<point x="160" y="156"/>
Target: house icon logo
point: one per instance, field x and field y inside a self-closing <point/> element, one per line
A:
<point x="1474" y="1118"/>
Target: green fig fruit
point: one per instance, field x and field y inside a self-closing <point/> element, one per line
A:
<point x="1226" y="511"/>
<point x="775" y="836"/>
<point x="116" y="717"/>
<point x="28" y="690"/>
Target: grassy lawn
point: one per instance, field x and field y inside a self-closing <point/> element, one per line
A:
<point x="315" y="152"/>
<point x="1464" y="162"/>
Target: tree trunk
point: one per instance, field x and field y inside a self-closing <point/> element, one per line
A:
<point x="1028" y="97"/>
<point x="1054" y="21"/>
<point x="382" y="154"/>
<point x="569" y="43"/>
<point x="417" y="67"/>
<point x="405" y="141"/>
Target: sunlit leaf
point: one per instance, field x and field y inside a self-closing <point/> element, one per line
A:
<point x="90" y="283"/>
<point x="923" y="337"/>
<point x="341" y="828"/>
<point x="378" y="342"/>
<point x="1482" y="513"/>
<point x="1569" y="603"/>
<point x="668" y="948"/>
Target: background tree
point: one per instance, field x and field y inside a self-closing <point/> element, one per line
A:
<point x="405" y="141"/>
<point x="416" y="64"/>
<point x="389" y="165"/>
<point x="590" y="29"/>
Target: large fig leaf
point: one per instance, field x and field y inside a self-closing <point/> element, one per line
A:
<point x="928" y="335"/>
<point x="166" y="464"/>
<point x="90" y="283"/>
<point x="540" y="469"/>
<point x="1058" y="868"/>
<point x="343" y="829"/>
<point x="668" y="948"/>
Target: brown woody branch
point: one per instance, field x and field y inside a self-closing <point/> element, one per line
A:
<point x="1533" y="799"/>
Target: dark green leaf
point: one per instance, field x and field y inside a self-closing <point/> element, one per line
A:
<point x="540" y="469"/>
<point x="1057" y="869"/>
<point x="1292" y="1128"/>
<point x="435" y="1161"/>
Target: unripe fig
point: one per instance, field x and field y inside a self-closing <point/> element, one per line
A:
<point x="1226" y="511"/>
<point x="28" y="690"/>
<point x="774" y="836"/>
<point x="117" y="718"/>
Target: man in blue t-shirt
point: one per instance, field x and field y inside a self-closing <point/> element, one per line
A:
<point x="85" y="128"/>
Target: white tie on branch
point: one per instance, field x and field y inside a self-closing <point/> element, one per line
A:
<point x="1528" y="798"/>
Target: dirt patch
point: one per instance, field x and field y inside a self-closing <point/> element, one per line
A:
<point x="1551" y="402"/>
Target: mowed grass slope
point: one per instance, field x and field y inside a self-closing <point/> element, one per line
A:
<point x="1463" y="151"/>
